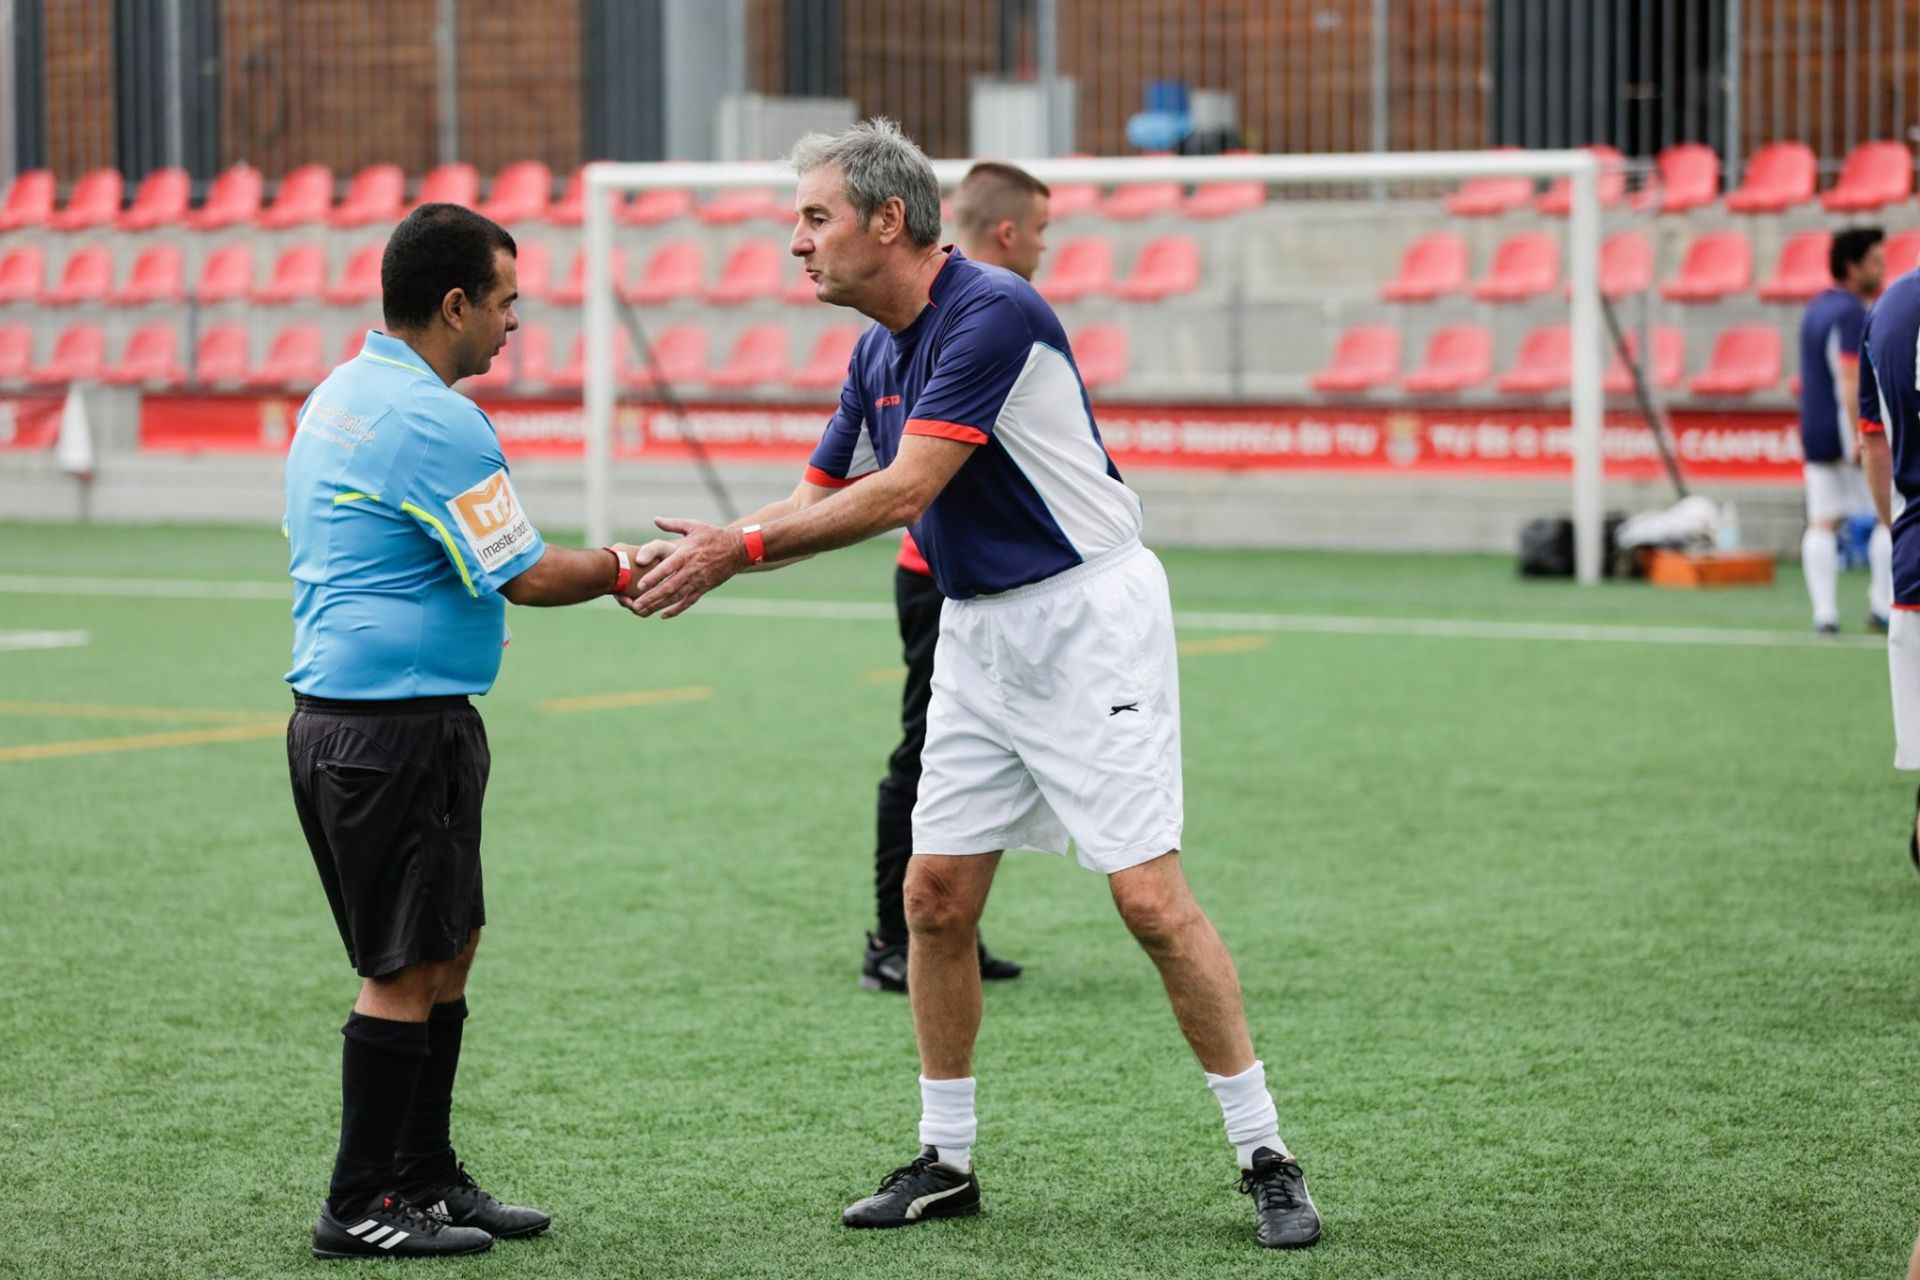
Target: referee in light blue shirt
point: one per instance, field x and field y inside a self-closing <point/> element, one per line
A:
<point x="407" y="539"/>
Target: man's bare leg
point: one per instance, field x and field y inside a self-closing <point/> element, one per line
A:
<point x="945" y="895"/>
<point x="1194" y="963"/>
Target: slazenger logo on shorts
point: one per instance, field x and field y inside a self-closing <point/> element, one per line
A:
<point x="490" y="517"/>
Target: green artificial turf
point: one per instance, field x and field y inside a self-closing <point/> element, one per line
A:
<point x="1566" y="959"/>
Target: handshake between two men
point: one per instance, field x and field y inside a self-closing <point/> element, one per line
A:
<point x="670" y="576"/>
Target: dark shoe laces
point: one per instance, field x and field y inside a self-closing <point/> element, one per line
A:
<point x="904" y="1172"/>
<point x="1271" y="1187"/>
<point x="411" y="1216"/>
<point x="464" y="1180"/>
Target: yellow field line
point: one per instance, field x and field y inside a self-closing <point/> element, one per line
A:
<point x="109" y="711"/>
<point x="637" y="698"/>
<point x="884" y="675"/>
<point x="1223" y="644"/>
<point x="145" y="741"/>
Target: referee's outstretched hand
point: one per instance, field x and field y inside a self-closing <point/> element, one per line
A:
<point x="705" y="557"/>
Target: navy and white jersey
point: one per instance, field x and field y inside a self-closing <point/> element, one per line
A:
<point x="1829" y="338"/>
<point x="986" y="362"/>
<point x="1890" y="402"/>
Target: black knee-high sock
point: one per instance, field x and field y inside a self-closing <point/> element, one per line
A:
<point x="379" y="1071"/>
<point x="423" y="1155"/>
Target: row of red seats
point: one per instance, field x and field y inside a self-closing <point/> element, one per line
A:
<point x="1717" y="265"/>
<point x="1745" y="359"/>
<point x="759" y="357"/>
<point x="676" y="271"/>
<point x="521" y="192"/>
<point x="1779" y="176"/>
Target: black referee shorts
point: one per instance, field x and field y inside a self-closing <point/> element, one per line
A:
<point x="389" y="795"/>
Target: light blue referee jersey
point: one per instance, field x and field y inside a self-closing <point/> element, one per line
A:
<point x="403" y="525"/>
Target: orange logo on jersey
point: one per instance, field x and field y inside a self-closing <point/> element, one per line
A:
<point x="488" y="507"/>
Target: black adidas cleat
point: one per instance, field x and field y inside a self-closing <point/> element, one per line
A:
<point x="915" y="1193"/>
<point x="884" y="966"/>
<point x="993" y="968"/>
<point x="463" y="1203"/>
<point x="1877" y="623"/>
<point x="395" y="1229"/>
<point x="1284" y="1216"/>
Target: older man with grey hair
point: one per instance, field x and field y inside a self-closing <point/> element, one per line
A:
<point x="1055" y="719"/>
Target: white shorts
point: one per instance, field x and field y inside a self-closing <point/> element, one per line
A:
<point x="1903" y="666"/>
<point x="1837" y="491"/>
<point x="1056" y="716"/>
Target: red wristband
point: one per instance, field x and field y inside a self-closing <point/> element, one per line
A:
<point x="756" y="544"/>
<point x="623" y="569"/>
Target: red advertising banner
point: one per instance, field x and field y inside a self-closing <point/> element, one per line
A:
<point x="29" y="422"/>
<point x="1744" y="445"/>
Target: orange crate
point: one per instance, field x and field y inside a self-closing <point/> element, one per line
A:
<point x="1709" y="569"/>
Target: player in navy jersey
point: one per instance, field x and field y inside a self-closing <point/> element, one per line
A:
<point x="1055" y="718"/>
<point x="1890" y="455"/>
<point x="1000" y="215"/>
<point x="1829" y="374"/>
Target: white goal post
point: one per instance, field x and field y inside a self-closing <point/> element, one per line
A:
<point x="1581" y="168"/>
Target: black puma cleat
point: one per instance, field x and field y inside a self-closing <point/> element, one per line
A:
<point x="915" y="1193"/>
<point x="393" y="1229"/>
<point x="1284" y="1216"/>
<point x="463" y="1203"/>
<point x="884" y="966"/>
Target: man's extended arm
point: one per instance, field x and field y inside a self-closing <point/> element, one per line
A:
<point x="886" y="499"/>
<point x="565" y="575"/>
<point x="1877" y="461"/>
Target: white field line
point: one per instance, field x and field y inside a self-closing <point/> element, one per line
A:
<point x="867" y="611"/>
<point x="15" y="640"/>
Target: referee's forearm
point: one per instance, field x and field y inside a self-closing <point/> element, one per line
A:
<point x="564" y="575"/>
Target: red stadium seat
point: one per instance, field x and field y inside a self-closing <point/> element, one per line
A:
<point x="360" y="282"/>
<point x="16" y="352"/>
<point x="305" y="197"/>
<point x="530" y="355"/>
<point x="1100" y="353"/>
<point x="1366" y="358"/>
<point x="1669" y="362"/>
<point x="1168" y="266"/>
<point x="1779" y="176"/>
<point x="1746" y="358"/>
<point x="1071" y="199"/>
<point x="1544" y="364"/>
<point x="755" y="270"/>
<point x="23" y="274"/>
<point x="571" y="376"/>
<point x="93" y="202"/>
<point x="159" y="275"/>
<point x="1524" y="266"/>
<point x="1458" y="357"/>
<point x="1626" y="264"/>
<point x="351" y="345"/>
<point x="1558" y="200"/>
<point x="299" y="274"/>
<point x="161" y="201"/>
<point x="1489" y="197"/>
<point x="521" y="193"/>
<point x="233" y="201"/>
<point x="376" y="194"/>
<point x="223" y="357"/>
<point x="742" y="204"/>
<point x="759" y="357"/>
<point x="1718" y="265"/>
<point x="1802" y="270"/>
<point x="654" y="206"/>
<point x="1903" y="253"/>
<point x="570" y="210"/>
<point x="678" y="355"/>
<point x="1686" y="176"/>
<point x="1433" y="266"/>
<point x="29" y="201"/>
<point x="86" y="277"/>
<point x="1225" y="199"/>
<point x="79" y="355"/>
<point x="1137" y="200"/>
<point x="296" y="359"/>
<point x="456" y="183"/>
<point x="1876" y="174"/>
<point x="573" y="291"/>
<point x="533" y="268"/>
<point x="1078" y="269"/>
<point x="826" y="366"/>
<point x="676" y="271"/>
<point x="227" y="274"/>
<point x="152" y="358"/>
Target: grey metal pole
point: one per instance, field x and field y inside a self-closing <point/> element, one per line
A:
<point x="446" y="49"/>
<point x="1046" y="56"/>
<point x="175" y="108"/>
<point x="1382" y="141"/>
<point x="9" y="158"/>
<point x="1733" y="115"/>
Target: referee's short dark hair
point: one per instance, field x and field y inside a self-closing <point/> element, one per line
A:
<point x="438" y="248"/>
<point x="1851" y="246"/>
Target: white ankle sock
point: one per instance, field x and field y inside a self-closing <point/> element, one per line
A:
<point x="1880" y="561"/>
<point x="1247" y="1107"/>
<point x="946" y="1120"/>
<point x="1820" y="561"/>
